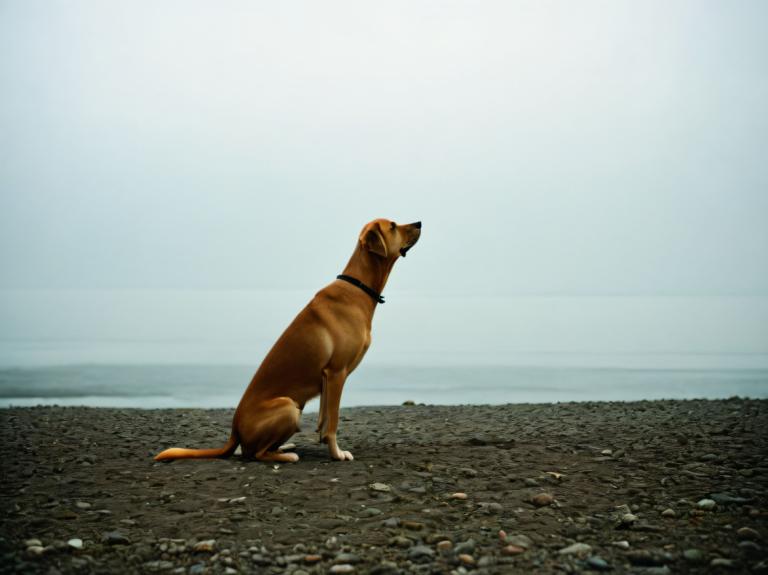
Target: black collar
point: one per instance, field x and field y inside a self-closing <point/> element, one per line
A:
<point x="375" y="296"/>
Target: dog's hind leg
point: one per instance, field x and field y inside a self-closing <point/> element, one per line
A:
<point x="322" y="420"/>
<point x="276" y="422"/>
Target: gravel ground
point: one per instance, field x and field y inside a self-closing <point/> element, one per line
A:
<point x="646" y="487"/>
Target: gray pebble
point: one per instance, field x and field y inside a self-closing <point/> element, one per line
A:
<point x="598" y="563"/>
<point x="346" y="558"/>
<point x="33" y="543"/>
<point x="157" y="566"/>
<point x="645" y="558"/>
<point x="421" y="553"/>
<point x="748" y="533"/>
<point x="385" y="568"/>
<point x="575" y="549"/>
<point x="400" y="541"/>
<point x="693" y="555"/>
<point x="342" y="568"/>
<point x="519" y="540"/>
<point x="750" y="548"/>
<point x="115" y="538"/>
<point x="722" y="562"/>
<point x="728" y="499"/>
<point x="466" y="547"/>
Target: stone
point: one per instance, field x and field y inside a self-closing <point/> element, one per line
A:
<point x="342" y="568"/>
<point x="391" y="522"/>
<point x="707" y="504"/>
<point x="750" y="548"/>
<point x="598" y="563"/>
<point x="480" y="439"/>
<point x="33" y="543"/>
<point x="75" y="543"/>
<point x="83" y="505"/>
<point x="628" y="519"/>
<point x="385" y="568"/>
<point x="413" y="525"/>
<point x="512" y="550"/>
<point x="747" y="533"/>
<point x="420" y="553"/>
<point x="115" y="538"/>
<point x="444" y="545"/>
<point x="198" y="569"/>
<point x="313" y="558"/>
<point x="467" y="547"/>
<point x="494" y="507"/>
<point x="458" y="495"/>
<point x="400" y="541"/>
<point x="380" y="487"/>
<point x="466" y="559"/>
<point x="542" y="499"/>
<point x="645" y="558"/>
<point x="346" y="558"/>
<point x="693" y="555"/>
<point x="576" y="549"/>
<point x="668" y="513"/>
<point x="370" y="512"/>
<point x="722" y="562"/>
<point x="486" y="561"/>
<point x="157" y="566"/>
<point x="621" y="544"/>
<point x="520" y="540"/>
<point x="35" y="550"/>
<point x="230" y="571"/>
<point x="728" y="499"/>
<point x="260" y="559"/>
<point x="207" y="546"/>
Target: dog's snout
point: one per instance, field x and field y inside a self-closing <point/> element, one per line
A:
<point x="416" y="225"/>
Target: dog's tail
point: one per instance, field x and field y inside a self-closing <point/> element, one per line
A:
<point x="182" y="453"/>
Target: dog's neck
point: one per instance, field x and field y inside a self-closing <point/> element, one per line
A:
<point x="369" y="268"/>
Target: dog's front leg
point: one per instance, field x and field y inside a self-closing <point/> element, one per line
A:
<point x="334" y="383"/>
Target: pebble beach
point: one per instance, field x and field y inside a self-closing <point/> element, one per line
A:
<point x="653" y="487"/>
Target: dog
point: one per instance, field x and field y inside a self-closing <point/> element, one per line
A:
<point x="315" y="355"/>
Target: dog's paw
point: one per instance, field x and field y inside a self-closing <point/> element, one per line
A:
<point x="340" y="455"/>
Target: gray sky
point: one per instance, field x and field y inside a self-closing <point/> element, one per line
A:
<point x="548" y="147"/>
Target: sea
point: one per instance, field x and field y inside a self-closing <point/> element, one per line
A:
<point x="199" y="348"/>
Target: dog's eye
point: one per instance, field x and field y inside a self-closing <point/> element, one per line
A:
<point x="392" y="226"/>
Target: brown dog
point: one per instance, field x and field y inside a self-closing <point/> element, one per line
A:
<point x="315" y="354"/>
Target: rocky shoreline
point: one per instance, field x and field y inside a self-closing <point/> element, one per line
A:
<point x="658" y="487"/>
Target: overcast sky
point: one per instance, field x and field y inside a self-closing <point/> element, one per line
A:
<point x="548" y="147"/>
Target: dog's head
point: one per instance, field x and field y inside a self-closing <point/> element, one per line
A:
<point x="388" y="240"/>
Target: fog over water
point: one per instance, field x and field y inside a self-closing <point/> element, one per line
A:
<point x="178" y="179"/>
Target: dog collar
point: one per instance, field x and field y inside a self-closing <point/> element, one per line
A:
<point x="375" y="296"/>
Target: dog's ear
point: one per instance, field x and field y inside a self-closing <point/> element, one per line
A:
<point x="374" y="242"/>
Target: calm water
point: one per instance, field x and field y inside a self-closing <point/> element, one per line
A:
<point x="200" y="348"/>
